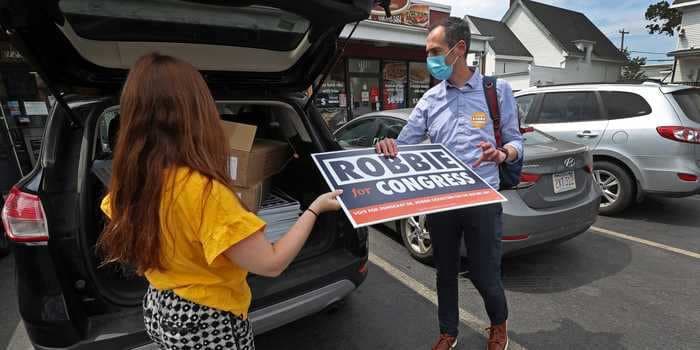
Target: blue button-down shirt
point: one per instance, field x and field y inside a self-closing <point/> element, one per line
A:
<point x="446" y="114"/>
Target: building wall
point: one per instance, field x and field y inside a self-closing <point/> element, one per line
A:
<point x="518" y="82"/>
<point x="545" y="50"/>
<point x="576" y="71"/>
<point x="691" y="23"/>
<point x="491" y="62"/>
<point x="511" y="66"/>
<point x="688" y="69"/>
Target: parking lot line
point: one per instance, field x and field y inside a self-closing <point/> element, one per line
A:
<point x="646" y="242"/>
<point x="467" y="318"/>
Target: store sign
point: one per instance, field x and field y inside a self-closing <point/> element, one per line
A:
<point x="396" y="6"/>
<point x="422" y="179"/>
<point x="395" y="78"/>
<point x="330" y="94"/>
<point x="407" y="13"/>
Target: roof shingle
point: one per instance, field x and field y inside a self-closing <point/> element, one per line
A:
<point x="568" y="26"/>
<point x="505" y="43"/>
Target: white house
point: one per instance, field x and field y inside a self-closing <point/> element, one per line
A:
<point x="660" y="72"/>
<point x="566" y="46"/>
<point x="506" y="57"/>
<point x="687" y="53"/>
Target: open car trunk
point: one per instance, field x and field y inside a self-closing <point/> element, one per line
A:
<point x="275" y="121"/>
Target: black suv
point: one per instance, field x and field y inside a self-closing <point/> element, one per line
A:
<point x="257" y="56"/>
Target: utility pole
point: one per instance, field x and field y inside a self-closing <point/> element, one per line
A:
<point x="622" y="44"/>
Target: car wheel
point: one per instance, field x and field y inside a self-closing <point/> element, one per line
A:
<point x="416" y="238"/>
<point x="616" y="185"/>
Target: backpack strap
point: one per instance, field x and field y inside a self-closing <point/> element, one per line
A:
<point x="492" y="101"/>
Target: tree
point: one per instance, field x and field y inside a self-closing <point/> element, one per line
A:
<point x="633" y="69"/>
<point x="664" y="19"/>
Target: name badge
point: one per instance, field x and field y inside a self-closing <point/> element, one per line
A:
<point x="479" y="120"/>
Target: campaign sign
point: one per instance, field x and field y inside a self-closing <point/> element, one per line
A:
<point x="421" y="179"/>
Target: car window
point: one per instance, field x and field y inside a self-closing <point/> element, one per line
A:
<point x="197" y="22"/>
<point x="567" y="107"/>
<point x="388" y="127"/>
<point x="358" y="134"/>
<point x="689" y="101"/>
<point x="624" y="105"/>
<point x="524" y="105"/>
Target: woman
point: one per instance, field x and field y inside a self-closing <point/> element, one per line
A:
<point x="174" y="216"/>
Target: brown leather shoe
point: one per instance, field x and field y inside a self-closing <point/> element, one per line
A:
<point x="445" y="342"/>
<point x="498" y="337"/>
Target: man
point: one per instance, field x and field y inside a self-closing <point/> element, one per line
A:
<point x="455" y="113"/>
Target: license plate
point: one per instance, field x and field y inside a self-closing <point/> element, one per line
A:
<point x="564" y="182"/>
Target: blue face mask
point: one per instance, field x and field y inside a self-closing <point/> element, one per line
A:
<point x="438" y="68"/>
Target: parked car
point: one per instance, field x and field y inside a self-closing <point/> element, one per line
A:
<point x="257" y="58"/>
<point x="556" y="200"/>
<point x="645" y="138"/>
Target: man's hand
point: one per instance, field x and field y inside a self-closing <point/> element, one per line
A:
<point x="387" y="147"/>
<point x="490" y="154"/>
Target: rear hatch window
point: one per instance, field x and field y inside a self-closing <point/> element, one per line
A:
<point x="689" y="101"/>
<point x="185" y="22"/>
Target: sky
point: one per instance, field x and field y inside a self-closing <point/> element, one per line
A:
<point x="609" y="16"/>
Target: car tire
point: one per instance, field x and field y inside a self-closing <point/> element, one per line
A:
<point x="617" y="186"/>
<point x="416" y="238"/>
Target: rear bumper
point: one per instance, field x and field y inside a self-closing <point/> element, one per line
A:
<point x="290" y="310"/>
<point x="544" y="226"/>
<point x="661" y="176"/>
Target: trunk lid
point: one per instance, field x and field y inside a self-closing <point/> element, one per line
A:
<point x="277" y="44"/>
<point x="557" y="172"/>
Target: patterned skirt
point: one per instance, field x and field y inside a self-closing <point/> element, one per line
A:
<point x="175" y="323"/>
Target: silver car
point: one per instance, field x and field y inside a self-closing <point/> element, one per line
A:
<point x="557" y="198"/>
<point x="645" y="138"/>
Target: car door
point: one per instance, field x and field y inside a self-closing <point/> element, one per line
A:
<point x="573" y="116"/>
<point x="359" y="133"/>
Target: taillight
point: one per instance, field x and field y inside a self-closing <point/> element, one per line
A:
<point x="528" y="180"/>
<point x="23" y="217"/>
<point x="688" y="177"/>
<point x="680" y="133"/>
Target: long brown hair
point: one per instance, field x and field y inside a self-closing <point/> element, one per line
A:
<point x="168" y="119"/>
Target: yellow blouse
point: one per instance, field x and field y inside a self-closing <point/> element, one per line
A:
<point x="195" y="231"/>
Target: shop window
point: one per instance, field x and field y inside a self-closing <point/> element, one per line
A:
<point x="419" y="82"/>
<point x="331" y="99"/>
<point x="395" y="80"/>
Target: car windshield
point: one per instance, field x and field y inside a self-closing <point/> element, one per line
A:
<point x="689" y="101"/>
<point x="180" y="21"/>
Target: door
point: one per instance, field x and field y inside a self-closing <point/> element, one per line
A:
<point x="92" y="43"/>
<point x="573" y="116"/>
<point x="364" y="86"/>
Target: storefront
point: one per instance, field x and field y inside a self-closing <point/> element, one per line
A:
<point x="383" y="66"/>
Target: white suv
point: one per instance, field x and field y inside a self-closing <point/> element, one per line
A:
<point x="645" y="137"/>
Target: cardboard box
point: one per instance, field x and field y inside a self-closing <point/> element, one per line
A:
<point x="253" y="160"/>
<point x="252" y="197"/>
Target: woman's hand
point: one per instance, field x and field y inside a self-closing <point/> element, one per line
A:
<point x="326" y="202"/>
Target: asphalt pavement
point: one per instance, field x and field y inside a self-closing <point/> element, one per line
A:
<point x="597" y="291"/>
